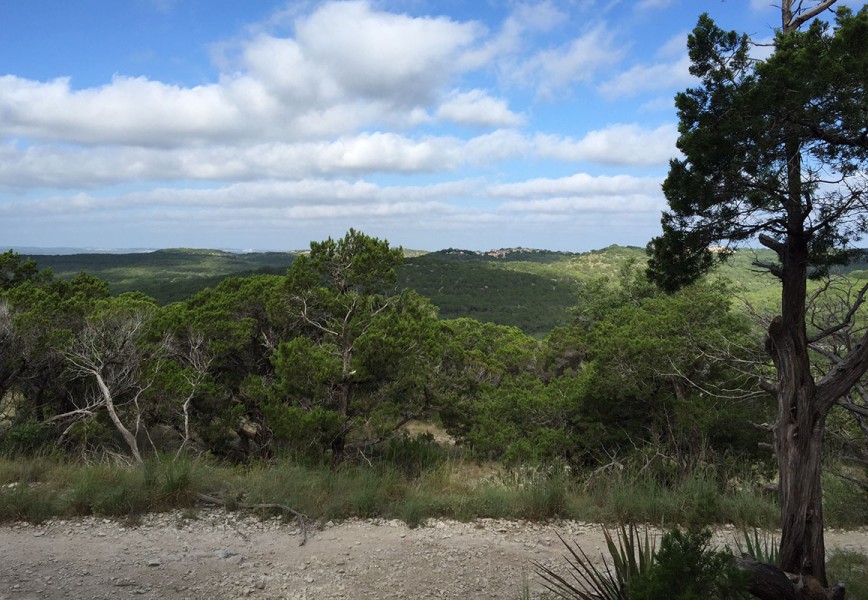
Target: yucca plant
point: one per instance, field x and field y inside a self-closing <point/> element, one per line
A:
<point x="631" y="554"/>
<point x="761" y="545"/>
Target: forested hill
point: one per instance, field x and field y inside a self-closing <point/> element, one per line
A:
<point x="529" y="289"/>
<point x="167" y="275"/>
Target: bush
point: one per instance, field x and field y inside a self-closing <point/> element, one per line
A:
<point x="686" y="568"/>
<point x="25" y="438"/>
<point x="412" y="455"/>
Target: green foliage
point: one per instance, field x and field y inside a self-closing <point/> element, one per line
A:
<point x="633" y="366"/>
<point x="745" y="129"/>
<point x="171" y="275"/>
<point x="25" y="438"/>
<point x="364" y="352"/>
<point x="531" y="291"/>
<point x="412" y="455"/>
<point x="845" y="504"/>
<point x="685" y="567"/>
<point x="14" y="271"/>
<point x="851" y="567"/>
<point x="305" y="433"/>
<point x="761" y="545"/>
<point x="696" y="498"/>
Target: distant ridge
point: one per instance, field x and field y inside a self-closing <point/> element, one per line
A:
<point x="65" y="251"/>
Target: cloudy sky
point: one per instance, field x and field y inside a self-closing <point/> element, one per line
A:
<point x="264" y="124"/>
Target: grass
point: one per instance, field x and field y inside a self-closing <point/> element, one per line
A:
<point x="851" y="568"/>
<point x="35" y="489"/>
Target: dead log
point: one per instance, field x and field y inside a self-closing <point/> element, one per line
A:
<point x="768" y="582"/>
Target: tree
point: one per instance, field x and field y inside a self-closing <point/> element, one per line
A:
<point x="219" y="343"/>
<point x="40" y="317"/>
<point x="108" y="351"/>
<point x="363" y="349"/>
<point x="776" y="151"/>
<point x="15" y="271"/>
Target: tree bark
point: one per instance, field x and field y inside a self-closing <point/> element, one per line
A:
<point x="801" y="417"/>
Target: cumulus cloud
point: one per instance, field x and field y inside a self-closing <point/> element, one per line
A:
<point x="347" y="66"/>
<point x="477" y="108"/>
<point x="579" y="185"/>
<point x="617" y="144"/>
<point x="62" y="166"/>
<point x="382" y="55"/>
<point x="311" y="112"/>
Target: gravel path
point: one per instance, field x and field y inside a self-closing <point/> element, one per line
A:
<point x="220" y="555"/>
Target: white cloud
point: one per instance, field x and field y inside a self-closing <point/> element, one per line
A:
<point x="477" y="108"/>
<point x="660" y="103"/>
<point x="641" y="78"/>
<point x="314" y="109"/>
<point x="382" y="55"/>
<point x="589" y="204"/>
<point x="65" y="167"/>
<point x="62" y="166"/>
<point x="653" y="4"/>
<point x="673" y="48"/>
<point x="579" y="185"/>
<point x="348" y="66"/>
<point x="617" y="144"/>
<point x="579" y="61"/>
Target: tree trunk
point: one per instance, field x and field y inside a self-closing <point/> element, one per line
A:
<point x="801" y="417"/>
<point x="129" y="438"/>
<point x="799" y="444"/>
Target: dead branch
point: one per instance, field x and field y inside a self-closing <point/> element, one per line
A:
<point x="303" y="520"/>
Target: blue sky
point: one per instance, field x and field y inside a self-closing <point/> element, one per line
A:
<point x="265" y="124"/>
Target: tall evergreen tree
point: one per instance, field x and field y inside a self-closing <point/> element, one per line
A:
<point x="777" y="151"/>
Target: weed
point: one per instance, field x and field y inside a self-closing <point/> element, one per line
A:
<point x="850" y="567"/>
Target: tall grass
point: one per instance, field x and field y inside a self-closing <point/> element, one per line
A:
<point x="34" y="489"/>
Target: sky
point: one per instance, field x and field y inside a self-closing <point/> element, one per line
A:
<point x="264" y="124"/>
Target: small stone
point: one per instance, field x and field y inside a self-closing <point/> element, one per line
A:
<point x="154" y="562"/>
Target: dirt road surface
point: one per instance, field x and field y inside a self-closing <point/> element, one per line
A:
<point x="216" y="554"/>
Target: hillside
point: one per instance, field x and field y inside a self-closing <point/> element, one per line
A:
<point x="168" y="275"/>
<point x="530" y="289"/>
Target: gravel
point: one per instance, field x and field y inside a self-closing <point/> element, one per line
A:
<point x="216" y="554"/>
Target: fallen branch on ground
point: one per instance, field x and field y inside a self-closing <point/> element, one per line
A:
<point x="302" y="519"/>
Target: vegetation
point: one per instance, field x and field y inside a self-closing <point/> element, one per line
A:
<point x="684" y="567"/>
<point x="307" y="390"/>
<point x="292" y="379"/>
<point x="775" y="150"/>
<point x="169" y="275"/>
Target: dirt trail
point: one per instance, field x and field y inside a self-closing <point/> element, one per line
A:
<point x="221" y="555"/>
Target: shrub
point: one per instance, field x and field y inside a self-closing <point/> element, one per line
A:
<point x="686" y="568"/>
